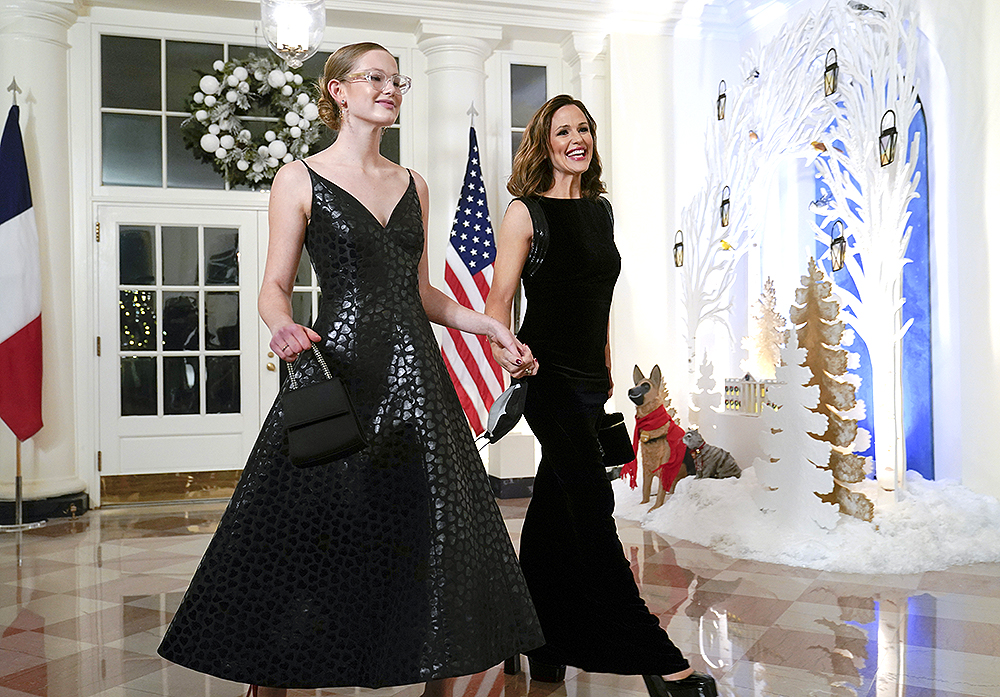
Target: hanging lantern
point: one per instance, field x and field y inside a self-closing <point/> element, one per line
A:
<point x="887" y="141"/>
<point x="679" y="249"/>
<point x="720" y="103"/>
<point x="293" y="28"/>
<point x="724" y="207"/>
<point x="831" y="72"/>
<point x="838" y="247"/>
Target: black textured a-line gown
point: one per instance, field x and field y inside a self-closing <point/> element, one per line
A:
<point x="586" y="597"/>
<point x="392" y="566"/>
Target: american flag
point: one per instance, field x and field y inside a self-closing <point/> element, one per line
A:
<point x="468" y="272"/>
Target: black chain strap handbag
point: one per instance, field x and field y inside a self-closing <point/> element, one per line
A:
<point x="320" y="419"/>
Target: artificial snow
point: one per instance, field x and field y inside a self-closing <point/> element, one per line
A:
<point x="933" y="525"/>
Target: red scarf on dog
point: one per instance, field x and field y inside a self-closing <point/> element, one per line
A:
<point x="650" y="422"/>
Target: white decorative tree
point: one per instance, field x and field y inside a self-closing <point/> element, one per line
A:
<point x="780" y="109"/>
<point x="878" y="88"/>
<point x="704" y="398"/>
<point x="763" y="346"/>
<point x="792" y="477"/>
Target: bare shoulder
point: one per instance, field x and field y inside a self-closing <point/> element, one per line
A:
<point x="292" y="180"/>
<point x="517" y="220"/>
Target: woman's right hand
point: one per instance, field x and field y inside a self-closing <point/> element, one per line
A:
<point x="291" y="339"/>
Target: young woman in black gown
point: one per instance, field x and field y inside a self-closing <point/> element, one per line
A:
<point x="587" y="601"/>
<point x="392" y="566"/>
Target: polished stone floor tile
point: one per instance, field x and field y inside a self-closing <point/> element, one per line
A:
<point x="83" y="604"/>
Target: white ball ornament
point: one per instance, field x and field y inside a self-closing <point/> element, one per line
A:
<point x="227" y="142"/>
<point x="209" y="84"/>
<point x="244" y="87"/>
<point x="258" y="167"/>
<point x="240" y="73"/>
<point x="302" y="99"/>
<point x="276" y="78"/>
<point x="310" y="112"/>
<point x="291" y="118"/>
<point x="269" y="136"/>
<point x="287" y="158"/>
<point x="287" y="90"/>
<point x="298" y="79"/>
<point x="218" y="65"/>
<point x="209" y="142"/>
<point x="304" y="149"/>
<point x="289" y="75"/>
<point x="295" y="131"/>
<point x="245" y="135"/>
<point x="232" y="96"/>
<point x="201" y="114"/>
<point x="263" y="151"/>
<point x="210" y="100"/>
<point x="242" y="165"/>
<point x="220" y="153"/>
<point x="271" y="162"/>
<point x="214" y="129"/>
<point x="199" y="97"/>
<point x="277" y="149"/>
<point x="304" y="125"/>
<point x="259" y="75"/>
<point x="232" y="80"/>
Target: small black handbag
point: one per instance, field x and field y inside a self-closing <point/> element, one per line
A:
<point x="320" y="418"/>
<point x="615" y="442"/>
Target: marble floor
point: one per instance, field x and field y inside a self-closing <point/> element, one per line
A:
<point x="84" y="602"/>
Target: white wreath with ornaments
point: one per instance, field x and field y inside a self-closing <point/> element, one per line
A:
<point x="216" y="130"/>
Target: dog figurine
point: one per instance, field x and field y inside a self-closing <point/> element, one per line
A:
<point x="662" y="448"/>
<point x="710" y="461"/>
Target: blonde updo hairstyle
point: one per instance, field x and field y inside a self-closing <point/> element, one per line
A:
<point x="339" y="65"/>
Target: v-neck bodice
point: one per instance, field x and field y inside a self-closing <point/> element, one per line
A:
<point x="351" y="197"/>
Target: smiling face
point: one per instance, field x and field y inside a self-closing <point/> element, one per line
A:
<point x="365" y="100"/>
<point x="571" y="142"/>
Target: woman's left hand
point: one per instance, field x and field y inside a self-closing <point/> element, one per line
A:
<point x="511" y="354"/>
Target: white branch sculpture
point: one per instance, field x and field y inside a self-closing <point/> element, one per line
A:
<point x="781" y="109"/>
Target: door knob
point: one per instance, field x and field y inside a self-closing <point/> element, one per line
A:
<point x="270" y="366"/>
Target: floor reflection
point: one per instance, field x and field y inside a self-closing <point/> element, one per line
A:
<point x="84" y="602"/>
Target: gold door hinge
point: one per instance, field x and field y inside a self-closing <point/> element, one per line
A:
<point x="99" y="463"/>
<point x="97" y="231"/>
<point x="98" y="347"/>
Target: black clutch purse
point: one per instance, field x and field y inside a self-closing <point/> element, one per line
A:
<point x="320" y="419"/>
<point x="615" y="442"/>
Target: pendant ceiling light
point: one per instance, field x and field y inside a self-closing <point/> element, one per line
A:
<point x="293" y="28"/>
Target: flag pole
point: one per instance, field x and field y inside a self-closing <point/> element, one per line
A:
<point x="472" y="114"/>
<point x="19" y="523"/>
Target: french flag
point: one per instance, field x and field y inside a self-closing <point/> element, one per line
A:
<point x="20" y="290"/>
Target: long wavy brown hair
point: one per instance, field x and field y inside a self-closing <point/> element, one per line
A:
<point x="338" y="66"/>
<point x="532" y="171"/>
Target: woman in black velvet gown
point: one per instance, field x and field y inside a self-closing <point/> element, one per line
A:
<point x="392" y="566"/>
<point x="587" y="601"/>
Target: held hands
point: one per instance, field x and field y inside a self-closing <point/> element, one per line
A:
<point x="291" y="340"/>
<point x="511" y="354"/>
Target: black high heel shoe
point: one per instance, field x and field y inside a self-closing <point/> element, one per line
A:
<point x="545" y="672"/>
<point x="695" y="685"/>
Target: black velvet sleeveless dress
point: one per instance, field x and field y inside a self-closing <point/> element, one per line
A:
<point x="392" y="566"/>
<point x="580" y="580"/>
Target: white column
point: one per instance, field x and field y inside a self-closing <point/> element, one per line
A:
<point x="456" y="77"/>
<point x="34" y="50"/>
<point x="586" y="54"/>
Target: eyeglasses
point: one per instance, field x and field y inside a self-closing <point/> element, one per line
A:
<point x="378" y="79"/>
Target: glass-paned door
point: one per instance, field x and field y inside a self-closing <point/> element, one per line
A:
<point x="178" y="339"/>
